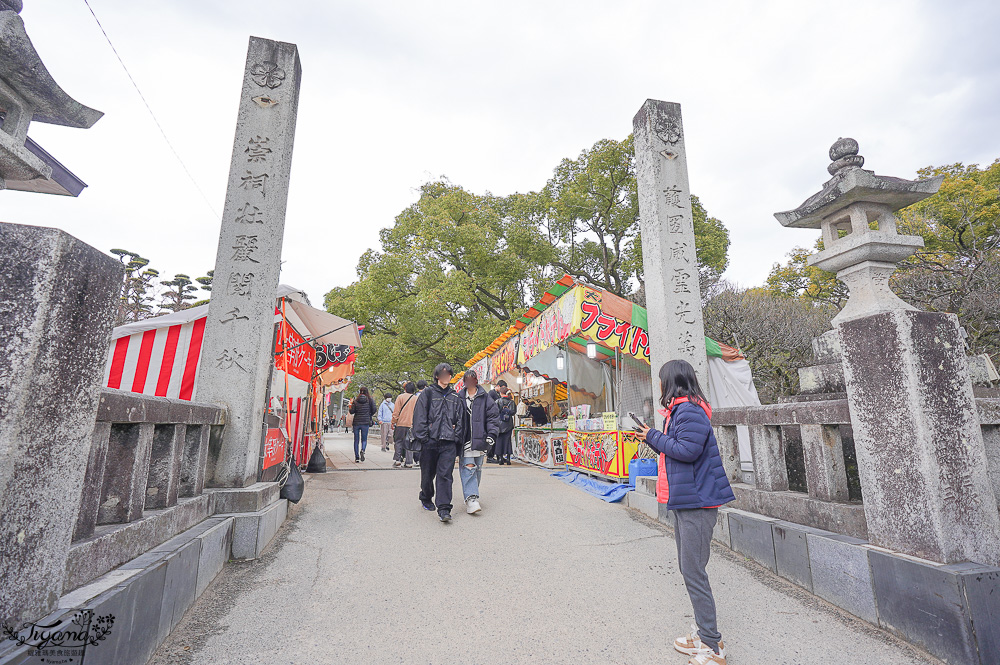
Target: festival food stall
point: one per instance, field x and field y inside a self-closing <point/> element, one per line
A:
<point x="583" y="354"/>
<point x="160" y="357"/>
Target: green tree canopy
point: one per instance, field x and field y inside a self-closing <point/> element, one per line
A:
<point x="454" y="272"/>
<point x="591" y="219"/>
<point x="457" y="268"/>
<point x="180" y="291"/>
<point x="136" y="300"/>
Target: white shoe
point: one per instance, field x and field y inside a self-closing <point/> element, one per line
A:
<point x="396" y="463"/>
<point x="692" y="645"/>
<point x="472" y="505"/>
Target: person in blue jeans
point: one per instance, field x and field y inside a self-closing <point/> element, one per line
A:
<point x="692" y="482"/>
<point x="482" y="423"/>
<point x="362" y="407"/>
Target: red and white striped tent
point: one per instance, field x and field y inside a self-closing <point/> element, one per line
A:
<point x="159" y="356"/>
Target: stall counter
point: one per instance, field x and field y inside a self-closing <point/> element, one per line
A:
<point x="541" y="446"/>
<point x="605" y="454"/>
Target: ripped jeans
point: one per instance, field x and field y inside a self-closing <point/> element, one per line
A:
<point x="470" y="476"/>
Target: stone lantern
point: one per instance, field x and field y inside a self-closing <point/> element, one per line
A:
<point x="921" y="454"/>
<point x="28" y="92"/>
<point x="855" y="210"/>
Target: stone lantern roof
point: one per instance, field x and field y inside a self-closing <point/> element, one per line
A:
<point x="851" y="184"/>
<point x="28" y="92"/>
<point x="855" y="210"/>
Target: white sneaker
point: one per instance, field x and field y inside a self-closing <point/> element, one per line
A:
<point x="692" y="645"/>
<point x="472" y="505"/>
<point x="396" y="463"/>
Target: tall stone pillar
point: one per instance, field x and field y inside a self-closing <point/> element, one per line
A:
<point x="921" y="456"/>
<point x="237" y="348"/>
<point x="670" y="265"/>
<point x="58" y="299"/>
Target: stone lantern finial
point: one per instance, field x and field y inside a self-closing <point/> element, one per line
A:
<point x="844" y="153"/>
<point x="855" y="210"/>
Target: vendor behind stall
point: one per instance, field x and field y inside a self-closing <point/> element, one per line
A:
<point x="537" y="413"/>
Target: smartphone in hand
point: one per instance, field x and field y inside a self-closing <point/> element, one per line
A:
<point x="638" y="422"/>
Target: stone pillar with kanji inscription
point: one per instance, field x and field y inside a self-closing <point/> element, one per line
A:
<point x="670" y="267"/>
<point x="237" y="349"/>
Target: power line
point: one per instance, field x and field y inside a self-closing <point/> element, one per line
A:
<point x="153" y="115"/>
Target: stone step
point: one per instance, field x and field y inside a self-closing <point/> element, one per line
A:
<point x="646" y="485"/>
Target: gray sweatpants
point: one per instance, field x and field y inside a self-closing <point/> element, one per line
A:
<point x="693" y="533"/>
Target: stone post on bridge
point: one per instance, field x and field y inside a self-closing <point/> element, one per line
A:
<point x="58" y="298"/>
<point x="670" y="266"/>
<point x="919" y="443"/>
<point x="237" y="351"/>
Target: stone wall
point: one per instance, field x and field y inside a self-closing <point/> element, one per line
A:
<point x="950" y="610"/>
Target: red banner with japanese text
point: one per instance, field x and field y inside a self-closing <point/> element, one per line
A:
<point x="274" y="447"/>
<point x="301" y="357"/>
<point x="505" y="359"/>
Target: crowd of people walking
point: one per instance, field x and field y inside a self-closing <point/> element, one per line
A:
<point x="433" y="426"/>
<point x="430" y="426"/>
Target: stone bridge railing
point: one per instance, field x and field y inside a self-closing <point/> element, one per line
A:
<point x="801" y="473"/>
<point x="145" y="478"/>
<point x="147" y="452"/>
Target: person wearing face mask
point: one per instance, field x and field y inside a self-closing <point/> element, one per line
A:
<point x="482" y="423"/>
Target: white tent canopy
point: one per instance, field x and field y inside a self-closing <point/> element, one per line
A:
<point x="323" y="327"/>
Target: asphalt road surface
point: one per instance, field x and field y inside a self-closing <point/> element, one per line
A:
<point x="544" y="574"/>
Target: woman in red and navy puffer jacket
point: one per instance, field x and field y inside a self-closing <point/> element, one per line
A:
<point x="692" y="482"/>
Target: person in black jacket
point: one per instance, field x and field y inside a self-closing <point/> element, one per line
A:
<point x="361" y="407"/>
<point x="439" y="428"/>
<point x="505" y="405"/>
<point x="482" y="422"/>
<point x="494" y="394"/>
<point x="537" y="413"/>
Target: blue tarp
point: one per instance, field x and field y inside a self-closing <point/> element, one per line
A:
<point x="605" y="491"/>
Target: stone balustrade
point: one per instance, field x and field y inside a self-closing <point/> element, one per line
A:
<point x="147" y="453"/>
<point x="823" y="430"/>
<point x="145" y="479"/>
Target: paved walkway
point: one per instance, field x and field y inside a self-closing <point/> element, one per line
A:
<point x="545" y="574"/>
<point x="340" y="451"/>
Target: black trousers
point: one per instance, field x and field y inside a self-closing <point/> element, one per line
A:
<point x="437" y="467"/>
<point x="504" y="447"/>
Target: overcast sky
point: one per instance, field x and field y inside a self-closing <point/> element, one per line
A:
<point x="493" y="95"/>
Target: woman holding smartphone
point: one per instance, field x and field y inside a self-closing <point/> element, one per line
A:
<point x="692" y="482"/>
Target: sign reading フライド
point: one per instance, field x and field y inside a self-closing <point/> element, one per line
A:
<point x="673" y="293"/>
<point x="238" y="347"/>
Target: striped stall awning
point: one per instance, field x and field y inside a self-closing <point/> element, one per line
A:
<point x="159" y="356"/>
<point x="160" y="361"/>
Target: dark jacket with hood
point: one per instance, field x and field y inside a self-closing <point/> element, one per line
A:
<point x="362" y="410"/>
<point x="484" y="420"/>
<point x="439" y="416"/>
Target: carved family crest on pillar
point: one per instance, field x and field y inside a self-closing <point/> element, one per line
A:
<point x="237" y="352"/>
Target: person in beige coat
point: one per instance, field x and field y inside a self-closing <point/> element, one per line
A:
<point x="402" y="421"/>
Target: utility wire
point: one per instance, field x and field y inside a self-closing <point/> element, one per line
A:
<point x="153" y="115"/>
